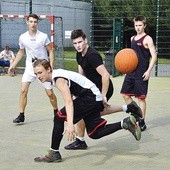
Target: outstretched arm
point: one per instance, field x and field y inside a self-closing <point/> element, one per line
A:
<point x="62" y="85"/>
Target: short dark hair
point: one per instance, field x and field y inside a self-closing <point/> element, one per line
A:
<point x="7" y="48"/>
<point x="140" y="18"/>
<point x="33" y="16"/>
<point x="78" y="33"/>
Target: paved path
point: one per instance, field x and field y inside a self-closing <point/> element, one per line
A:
<point x="19" y="144"/>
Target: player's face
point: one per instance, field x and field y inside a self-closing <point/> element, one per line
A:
<point x="32" y="23"/>
<point x="80" y="44"/>
<point x="139" y="27"/>
<point x="42" y="74"/>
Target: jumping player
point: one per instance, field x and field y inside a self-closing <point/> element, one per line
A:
<point x="36" y="44"/>
<point x="136" y="83"/>
<point x="87" y="106"/>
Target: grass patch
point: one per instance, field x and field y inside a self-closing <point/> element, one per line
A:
<point x="70" y="65"/>
<point x="163" y="61"/>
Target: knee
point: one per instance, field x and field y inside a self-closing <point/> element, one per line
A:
<point x="24" y="91"/>
<point x="94" y="136"/>
<point x="126" y="97"/>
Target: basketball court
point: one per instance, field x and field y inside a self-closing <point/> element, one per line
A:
<point x="21" y="143"/>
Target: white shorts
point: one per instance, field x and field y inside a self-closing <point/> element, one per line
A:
<point x="30" y="77"/>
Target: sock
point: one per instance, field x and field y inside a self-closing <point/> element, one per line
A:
<point x="122" y="124"/>
<point x="54" y="150"/>
<point x="22" y="113"/>
<point x="55" y="111"/>
<point x="124" y="108"/>
<point x="80" y="138"/>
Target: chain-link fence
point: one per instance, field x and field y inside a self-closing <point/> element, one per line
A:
<point x="104" y="35"/>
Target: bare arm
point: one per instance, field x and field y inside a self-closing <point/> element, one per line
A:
<point x="51" y="54"/>
<point x="105" y="82"/>
<point x="62" y="85"/>
<point x="80" y="70"/>
<point x="105" y="78"/>
<point x="149" y="44"/>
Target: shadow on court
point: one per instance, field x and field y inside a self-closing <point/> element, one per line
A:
<point x="21" y="143"/>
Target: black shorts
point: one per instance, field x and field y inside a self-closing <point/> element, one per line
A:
<point x="134" y="87"/>
<point x="110" y="90"/>
<point x="88" y="109"/>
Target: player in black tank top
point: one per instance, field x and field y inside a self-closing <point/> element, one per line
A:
<point x="136" y="83"/>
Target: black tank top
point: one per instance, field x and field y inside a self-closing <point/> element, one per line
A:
<point x="143" y="56"/>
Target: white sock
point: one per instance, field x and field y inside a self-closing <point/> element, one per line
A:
<point x="124" y="108"/>
<point x="80" y="138"/>
<point x="54" y="150"/>
<point x="122" y="124"/>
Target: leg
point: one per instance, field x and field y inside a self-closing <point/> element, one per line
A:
<point x="111" y="109"/>
<point x="128" y="123"/>
<point x="57" y="135"/>
<point x="23" y="96"/>
<point x="142" y="105"/>
<point x="128" y="99"/>
<point x="23" y="102"/>
<point x="80" y="126"/>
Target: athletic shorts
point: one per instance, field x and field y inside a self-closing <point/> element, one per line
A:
<point x="133" y="87"/>
<point x="30" y="77"/>
<point x="88" y="109"/>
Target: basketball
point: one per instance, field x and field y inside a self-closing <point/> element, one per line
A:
<point x="126" y="61"/>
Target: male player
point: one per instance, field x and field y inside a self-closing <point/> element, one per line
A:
<point x="36" y="44"/>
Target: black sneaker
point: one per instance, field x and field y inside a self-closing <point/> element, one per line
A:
<point x="19" y="119"/>
<point x="130" y="124"/>
<point x="53" y="156"/>
<point x="142" y="125"/>
<point x="77" y="144"/>
<point x="134" y="109"/>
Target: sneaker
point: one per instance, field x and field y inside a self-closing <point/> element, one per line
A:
<point x="77" y="144"/>
<point x="142" y="125"/>
<point x="130" y="124"/>
<point x="19" y="119"/>
<point x="53" y="156"/>
<point x="135" y="110"/>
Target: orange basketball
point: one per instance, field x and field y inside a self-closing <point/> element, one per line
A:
<point x="126" y="61"/>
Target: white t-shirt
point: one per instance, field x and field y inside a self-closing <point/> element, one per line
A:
<point x="77" y="83"/>
<point x="34" y="46"/>
<point x="7" y="55"/>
